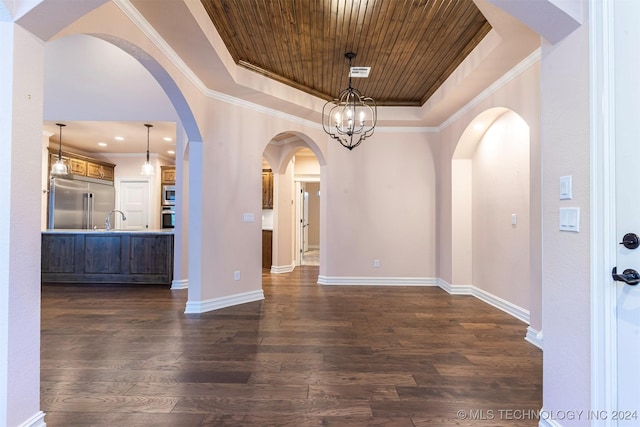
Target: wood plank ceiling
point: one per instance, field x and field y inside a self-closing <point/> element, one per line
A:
<point x="412" y="46"/>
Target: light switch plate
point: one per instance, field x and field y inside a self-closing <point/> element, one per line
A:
<point x="570" y="219"/>
<point x="248" y="217"/>
<point x="566" y="189"/>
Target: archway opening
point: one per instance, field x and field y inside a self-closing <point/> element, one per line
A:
<point x="296" y="216"/>
<point x="490" y="209"/>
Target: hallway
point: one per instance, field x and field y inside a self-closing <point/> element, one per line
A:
<point x="306" y="355"/>
<point x="311" y="257"/>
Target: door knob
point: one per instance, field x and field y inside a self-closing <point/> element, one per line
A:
<point x="628" y="276"/>
<point x="630" y="241"/>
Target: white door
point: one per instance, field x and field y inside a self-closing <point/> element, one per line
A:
<point x="133" y="197"/>
<point x="626" y="72"/>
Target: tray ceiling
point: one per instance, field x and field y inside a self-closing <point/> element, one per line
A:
<point x="412" y="46"/>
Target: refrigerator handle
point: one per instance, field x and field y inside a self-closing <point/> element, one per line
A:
<point x="52" y="198"/>
<point x="90" y="211"/>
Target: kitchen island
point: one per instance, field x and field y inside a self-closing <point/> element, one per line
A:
<point x="100" y="256"/>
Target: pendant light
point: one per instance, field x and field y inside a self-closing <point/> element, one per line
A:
<point x="59" y="168"/>
<point x="147" y="168"/>
<point x="352" y="117"/>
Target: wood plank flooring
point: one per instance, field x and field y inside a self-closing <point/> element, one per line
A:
<point x="307" y="355"/>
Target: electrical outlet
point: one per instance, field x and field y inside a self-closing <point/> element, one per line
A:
<point x="376" y="263"/>
<point x="236" y="275"/>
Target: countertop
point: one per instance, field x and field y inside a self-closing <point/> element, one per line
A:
<point x="103" y="231"/>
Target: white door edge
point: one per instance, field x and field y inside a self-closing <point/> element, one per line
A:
<point x="298" y="229"/>
<point x="604" y="387"/>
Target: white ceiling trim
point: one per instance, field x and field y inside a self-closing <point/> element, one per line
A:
<point x="402" y="129"/>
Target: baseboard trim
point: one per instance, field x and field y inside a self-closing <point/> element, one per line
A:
<point x="456" y="289"/>
<point x="499" y="303"/>
<point x="222" y="302"/>
<point x="376" y="281"/>
<point x="35" y="421"/>
<point x="180" y="284"/>
<point x="279" y="269"/>
<point x="534" y="337"/>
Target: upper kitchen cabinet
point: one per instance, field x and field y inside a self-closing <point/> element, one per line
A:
<point x="80" y="165"/>
<point x="96" y="170"/>
<point x="168" y="174"/>
<point x="75" y="166"/>
<point x="267" y="189"/>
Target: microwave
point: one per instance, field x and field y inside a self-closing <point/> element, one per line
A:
<point x="168" y="195"/>
<point x="168" y="217"/>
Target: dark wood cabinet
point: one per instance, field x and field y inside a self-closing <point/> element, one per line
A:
<point x="107" y="257"/>
<point x="267" y="189"/>
<point x="267" y="243"/>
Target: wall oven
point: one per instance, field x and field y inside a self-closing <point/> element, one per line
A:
<point x="168" y="217"/>
<point x="168" y="195"/>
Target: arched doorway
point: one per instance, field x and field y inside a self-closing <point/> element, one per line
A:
<point x="297" y="220"/>
<point x="490" y="211"/>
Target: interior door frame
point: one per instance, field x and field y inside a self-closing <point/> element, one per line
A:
<point x="604" y="384"/>
<point x="299" y="206"/>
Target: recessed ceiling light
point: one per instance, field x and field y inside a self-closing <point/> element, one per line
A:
<point x="102" y="144"/>
<point x="171" y="152"/>
<point x="119" y="138"/>
<point x="166" y="138"/>
<point x="478" y="126"/>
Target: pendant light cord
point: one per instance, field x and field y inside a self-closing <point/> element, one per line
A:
<point x="60" y="125"/>
<point x="148" y="130"/>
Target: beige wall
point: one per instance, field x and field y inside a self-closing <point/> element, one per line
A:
<point x="462" y="222"/>
<point x="566" y="259"/>
<point x="307" y="166"/>
<point x="381" y="205"/>
<point x="500" y="180"/>
<point x="21" y="104"/>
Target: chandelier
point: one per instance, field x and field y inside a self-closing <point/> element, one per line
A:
<point x="351" y="117"/>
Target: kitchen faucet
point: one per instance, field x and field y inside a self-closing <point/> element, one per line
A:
<point x="107" y="221"/>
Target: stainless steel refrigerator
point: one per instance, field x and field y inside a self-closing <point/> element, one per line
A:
<point x="76" y="202"/>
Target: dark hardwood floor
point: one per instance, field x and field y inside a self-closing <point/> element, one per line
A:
<point x="307" y="355"/>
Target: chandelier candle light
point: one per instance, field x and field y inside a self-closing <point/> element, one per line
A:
<point x="59" y="168"/>
<point x="147" y="168"/>
<point x="351" y="117"/>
